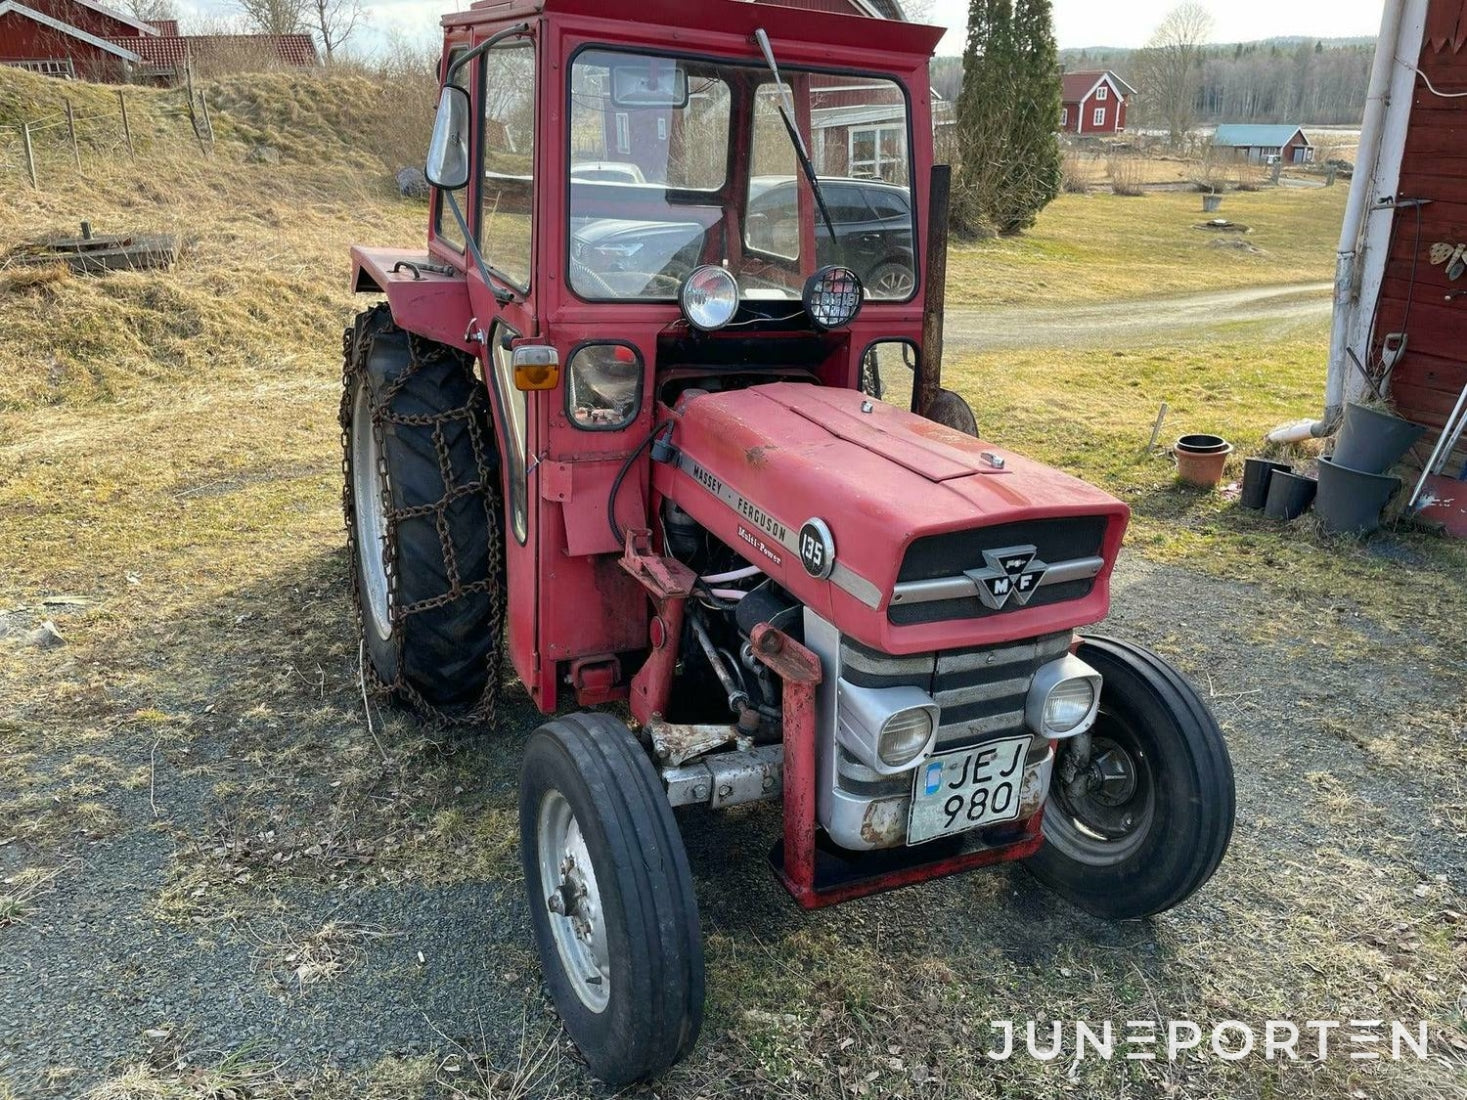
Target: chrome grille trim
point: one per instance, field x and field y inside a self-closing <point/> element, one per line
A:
<point x="1056" y="645"/>
<point x="964" y="587"/>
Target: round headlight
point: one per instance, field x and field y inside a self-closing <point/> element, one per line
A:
<point x="1068" y="705"/>
<point x="903" y="737"/>
<point x="833" y="297"/>
<point x="709" y="297"/>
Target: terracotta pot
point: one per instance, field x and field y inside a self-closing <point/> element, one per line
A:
<point x="1204" y="469"/>
<point x="1201" y="444"/>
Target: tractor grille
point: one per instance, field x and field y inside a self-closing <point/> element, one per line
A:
<point x="981" y="690"/>
<point x="1057" y="542"/>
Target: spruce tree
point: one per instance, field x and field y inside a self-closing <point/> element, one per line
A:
<point x="983" y="115"/>
<point x="1032" y="174"/>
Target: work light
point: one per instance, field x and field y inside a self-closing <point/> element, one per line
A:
<point x="709" y="297"/>
<point x="832" y="297"/>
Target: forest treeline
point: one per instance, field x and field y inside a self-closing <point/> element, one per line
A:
<point x="1316" y="82"/>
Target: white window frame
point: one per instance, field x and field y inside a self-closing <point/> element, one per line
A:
<point x="1102" y="93"/>
<point x="1064" y="116"/>
<point x="1098" y="119"/>
<point x="875" y="165"/>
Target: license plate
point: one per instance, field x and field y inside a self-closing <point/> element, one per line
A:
<point x="967" y="789"/>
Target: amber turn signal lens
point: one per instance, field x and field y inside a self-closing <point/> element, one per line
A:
<point x="536" y="367"/>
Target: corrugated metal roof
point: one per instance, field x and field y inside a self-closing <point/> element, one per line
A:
<point x="1255" y="136"/>
<point x="168" y="51"/>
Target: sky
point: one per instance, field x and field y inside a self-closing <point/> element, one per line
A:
<point x="1077" y="22"/>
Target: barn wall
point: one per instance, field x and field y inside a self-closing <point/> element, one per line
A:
<point x="1429" y="377"/>
<point x="23" y="39"/>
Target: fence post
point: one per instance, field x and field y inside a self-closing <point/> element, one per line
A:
<point x="126" y="129"/>
<point x="193" y="118"/>
<point x="71" y="130"/>
<point x="208" y="122"/>
<point x="30" y="157"/>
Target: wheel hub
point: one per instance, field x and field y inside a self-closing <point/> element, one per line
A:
<point x="1104" y="804"/>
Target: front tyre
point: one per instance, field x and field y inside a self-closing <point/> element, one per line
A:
<point x="1145" y="822"/>
<point x="611" y="898"/>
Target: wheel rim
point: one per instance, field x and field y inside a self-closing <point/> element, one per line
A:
<point x="371" y="513"/>
<point x="573" y="902"/>
<point x="893" y="282"/>
<point x="1104" y="814"/>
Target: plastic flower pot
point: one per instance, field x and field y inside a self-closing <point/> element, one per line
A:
<point x="1202" y="468"/>
<point x="1202" y="444"/>
<point x="1210" y="203"/>
<point x="1350" y="501"/>
<point x="1289" y="495"/>
<point x="1372" y="440"/>
<point x="1257" y="472"/>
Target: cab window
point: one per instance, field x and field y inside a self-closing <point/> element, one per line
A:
<point x="506" y="192"/>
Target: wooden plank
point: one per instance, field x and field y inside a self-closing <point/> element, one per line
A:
<point x="1430" y="372"/>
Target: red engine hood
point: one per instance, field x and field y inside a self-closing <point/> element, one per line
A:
<point x="756" y="464"/>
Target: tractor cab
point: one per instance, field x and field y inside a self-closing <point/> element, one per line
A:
<point x="621" y="422"/>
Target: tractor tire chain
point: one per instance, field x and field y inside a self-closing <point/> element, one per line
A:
<point x="423" y="352"/>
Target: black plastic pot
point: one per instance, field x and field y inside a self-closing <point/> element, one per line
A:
<point x="1201" y="444"/>
<point x="1289" y="495"/>
<point x="1257" y="472"/>
<point x="1372" y="441"/>
<point x="1350" y="501"/>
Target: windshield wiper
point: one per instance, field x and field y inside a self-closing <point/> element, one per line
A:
<point x="787" y="112"/>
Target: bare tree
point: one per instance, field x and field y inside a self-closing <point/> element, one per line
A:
<point x="274" y="16"/>
<point x="1170" y="67"/>
<point x="335" y="20"/>
<point x="152" y="11"/>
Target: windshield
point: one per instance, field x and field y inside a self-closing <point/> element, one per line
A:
<point x="679" y="162"/>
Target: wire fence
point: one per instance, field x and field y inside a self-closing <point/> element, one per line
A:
<point x="47" y="148"/>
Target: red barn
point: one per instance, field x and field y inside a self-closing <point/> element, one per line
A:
<point x="1093" y="102"/>
<point x="79" y="38"/>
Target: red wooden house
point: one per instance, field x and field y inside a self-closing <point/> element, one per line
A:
<point x="1093" y="102"/>
<point x="87" y="40"/>
<point x="1408" y="320"/>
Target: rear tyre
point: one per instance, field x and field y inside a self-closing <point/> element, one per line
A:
<point x="1146" y="823"/>
<point x="611" y="898"/>
<point x="423" y="517"/>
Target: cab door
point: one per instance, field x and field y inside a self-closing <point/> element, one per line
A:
<point x="504" y="198"/>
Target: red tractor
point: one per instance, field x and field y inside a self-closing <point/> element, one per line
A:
<point x="622" y="420"/>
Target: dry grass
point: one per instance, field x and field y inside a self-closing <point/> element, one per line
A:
<point x="1098" y="247"/>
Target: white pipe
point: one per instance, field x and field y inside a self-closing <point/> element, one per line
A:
<point x="1362" y="188"/>
<point x="736" y="575"/>
<point x="734" y="594"/>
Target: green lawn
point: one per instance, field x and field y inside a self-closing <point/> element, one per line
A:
<point x="1101" y="247"/>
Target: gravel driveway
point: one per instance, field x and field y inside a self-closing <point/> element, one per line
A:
<point x="111" y="966"/>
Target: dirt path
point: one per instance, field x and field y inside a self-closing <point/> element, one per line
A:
<point x="1134" y="324"/>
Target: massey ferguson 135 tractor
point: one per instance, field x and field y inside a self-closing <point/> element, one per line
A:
<point x="622" y="420"/>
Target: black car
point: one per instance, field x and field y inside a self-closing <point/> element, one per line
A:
<point x="873" y="229"/>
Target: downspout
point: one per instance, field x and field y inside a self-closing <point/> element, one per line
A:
<point x="1362" y="187"/>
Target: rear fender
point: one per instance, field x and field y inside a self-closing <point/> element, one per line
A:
<point x="427" y="303"/>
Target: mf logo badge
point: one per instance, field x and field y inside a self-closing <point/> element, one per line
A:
<point x="1012" y="573"/>
<point x="817" y="548"/>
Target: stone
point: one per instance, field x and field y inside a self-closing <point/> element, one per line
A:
<point x="47" y="636"/>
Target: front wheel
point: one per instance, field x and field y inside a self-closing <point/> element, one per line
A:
<point x="1143" y="823"/>
<point x="611" y="898"/>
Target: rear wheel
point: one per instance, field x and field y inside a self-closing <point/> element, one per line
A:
<point x="423" y="517"/>
<point x="1143" y="823"/>
<point x="611" y="898"/>
<point x="891" y="281"/>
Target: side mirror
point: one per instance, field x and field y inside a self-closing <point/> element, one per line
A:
<point x="448" y="151"/>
